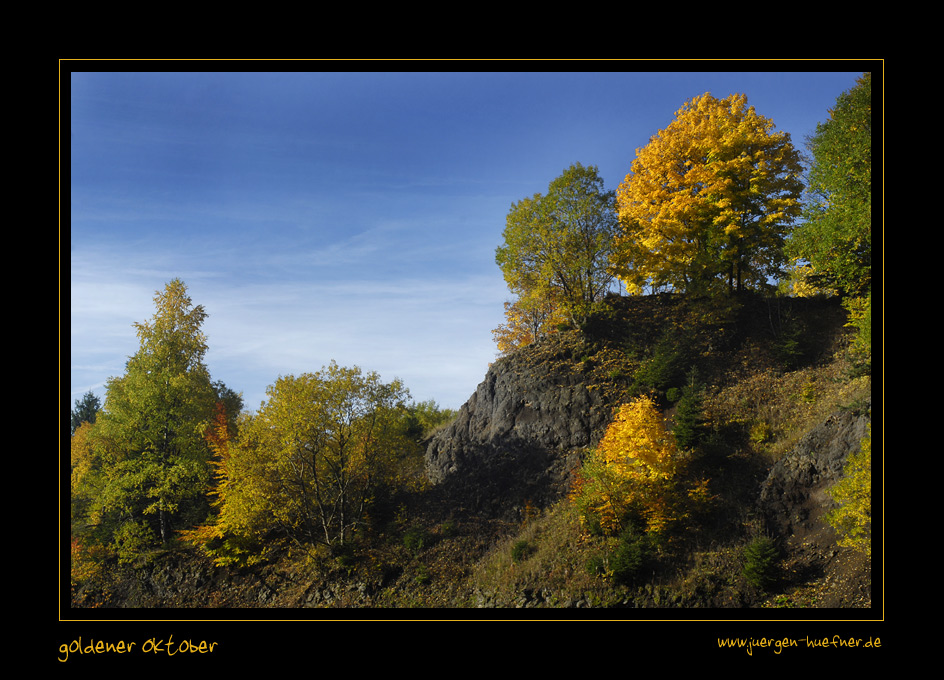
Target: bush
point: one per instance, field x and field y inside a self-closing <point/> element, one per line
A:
<point x="760" y="561"/>
<point x="761" y="432"/>
<point x="637" y="470"/>
<point x="665" y="368"/>
<point x="344" y="557"/>
<point x="131" y="539"/>
<point x="629" y="557"/>
<point x="690" y="428"/>
<point x="626" y="560"/>
<point x="422" y="576"/>
<point x="852" y="518"/>
<point x="521" y="550"/>
<point x="415" y="539"/>
<point x="596" y="565"/>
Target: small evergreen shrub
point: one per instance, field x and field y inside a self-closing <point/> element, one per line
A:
<point x="596" y="565"/>
<point x="521" y="551"/>
<point x="415" y="539"/>
<point x="760" y="562"/>
<point x="690" y="430"/>
<point x="628" y="559"/>
<point x="666" y="367"/>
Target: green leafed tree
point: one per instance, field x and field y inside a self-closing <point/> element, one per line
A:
<point x="150" y="433"/>
<point x="835" y="237"/>
<point x="557" y="245"/>
<point x="306" y="464"/>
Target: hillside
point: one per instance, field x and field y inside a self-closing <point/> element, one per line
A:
<point x="783" y="406"/>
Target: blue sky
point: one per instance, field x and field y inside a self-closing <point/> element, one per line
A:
<point x="343" y="216"/>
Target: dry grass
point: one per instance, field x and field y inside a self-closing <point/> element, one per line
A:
<point x="555" y="571"/>
<point x="777" y="408"/>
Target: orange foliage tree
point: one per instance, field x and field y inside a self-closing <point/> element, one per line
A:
<point x="637" y="472"/>
<point x="527" y="321"/>
<point x="210" y="536"/>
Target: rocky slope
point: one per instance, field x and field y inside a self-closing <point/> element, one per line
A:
<point x="521" y="434"/>
<point x="794" y="503"/>
<point x="519" y="438"/>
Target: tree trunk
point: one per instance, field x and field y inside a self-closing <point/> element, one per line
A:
<point x="163" y="518"/>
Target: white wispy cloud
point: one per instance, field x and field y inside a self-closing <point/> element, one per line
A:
<point x="432" y="333"/>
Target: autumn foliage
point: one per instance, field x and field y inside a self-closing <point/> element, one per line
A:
<point x="304" y="467"/>
<point x="210" y="536"/>
<point x="555" y="255"/>
<point x="637" y="474"/>
<point x="708" y="205"/>
<point x="852" y="518"/>
<point x="526" y="322"/>
<point x="708" y="201"/>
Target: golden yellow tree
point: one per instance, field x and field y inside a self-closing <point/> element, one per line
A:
<point x="306" y="464"/>
<point x="803" y="281"/>
<point x="852" y="518"/>
<point x="636" y="472"/>
<point x="86" y="479"/>
<point x="708" y="201"/>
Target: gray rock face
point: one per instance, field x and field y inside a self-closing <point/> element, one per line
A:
<point x="793" y="497"/>
<point x="518" y="437"/>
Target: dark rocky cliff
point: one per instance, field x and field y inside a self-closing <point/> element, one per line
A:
<point x="793" y="497"/>
<point x="520" y="435"/>
<point x="793" y="501"/>
<point x="518" y="438"/>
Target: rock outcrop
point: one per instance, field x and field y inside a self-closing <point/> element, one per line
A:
<point x="518" y="438"/>
<point x="793" y="498"/>
<point x="794" y="502"/>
